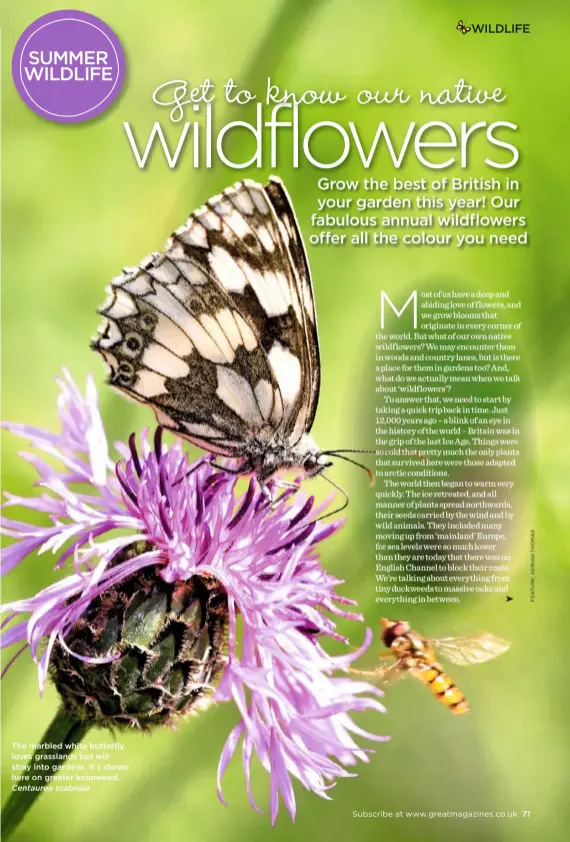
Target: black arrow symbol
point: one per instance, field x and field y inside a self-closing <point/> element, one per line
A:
<point x="509" y="598"/>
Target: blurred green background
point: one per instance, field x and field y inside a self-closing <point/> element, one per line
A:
<point x="76" y="208"/>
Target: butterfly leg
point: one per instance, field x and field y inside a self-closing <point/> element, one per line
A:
<point x="266" y="492"/>
<point x="273" y="501"/>
<point x="223" y="468"/>
<point x="195" y="467"/>
<point x="281" y="483"/>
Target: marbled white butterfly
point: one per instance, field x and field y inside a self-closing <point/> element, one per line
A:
<point x="219" y="335"/>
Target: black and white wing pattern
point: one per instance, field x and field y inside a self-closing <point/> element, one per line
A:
<point x="218" y="333"/>
<point x="248" y="238"/>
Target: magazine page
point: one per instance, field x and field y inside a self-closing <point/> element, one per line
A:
<point x="285" y="387"/>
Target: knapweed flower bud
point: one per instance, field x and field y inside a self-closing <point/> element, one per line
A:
<point x="164" y="647"/>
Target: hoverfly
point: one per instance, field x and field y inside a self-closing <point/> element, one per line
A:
<point x="414" y="654"/>
<point x="462" y="27"/>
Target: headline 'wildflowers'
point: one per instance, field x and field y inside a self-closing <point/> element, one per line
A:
<point x="170" y="553"/>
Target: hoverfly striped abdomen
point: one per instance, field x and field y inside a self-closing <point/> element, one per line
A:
<point x="441" y="685"/>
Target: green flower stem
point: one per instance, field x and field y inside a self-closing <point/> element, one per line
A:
<point x="66" y="729"/>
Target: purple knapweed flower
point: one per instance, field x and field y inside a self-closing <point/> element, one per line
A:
<point x="156" y="530"/>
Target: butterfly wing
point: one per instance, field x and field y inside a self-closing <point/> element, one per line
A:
<point x="247" y="237"/>
<point x="173" y="338"/>
<point x="218" y="333"/>
<point x="470" y="650"/>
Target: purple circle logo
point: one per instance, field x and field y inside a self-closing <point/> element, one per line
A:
<point x="68" y="66"/>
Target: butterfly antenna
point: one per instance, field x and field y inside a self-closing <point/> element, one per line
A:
<point x="339" y="455"/>
<point x="344" y="494"/>
<point x="350" y="450"/>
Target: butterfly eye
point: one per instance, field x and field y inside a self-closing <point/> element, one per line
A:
<point x="132" y="345"/>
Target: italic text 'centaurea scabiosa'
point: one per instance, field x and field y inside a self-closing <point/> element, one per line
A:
<point x="178" y="589"/>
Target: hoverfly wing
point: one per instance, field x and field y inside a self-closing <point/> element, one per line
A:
<point x="470" y="650"/>
<point x="218" y="332"/>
